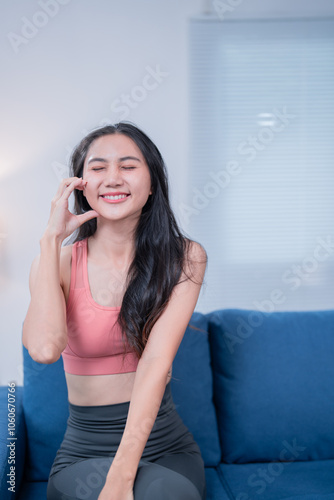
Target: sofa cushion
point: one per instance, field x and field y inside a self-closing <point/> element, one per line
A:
<point x="292" y="480"/>
<point x="214" y="487"/>
<point x="192" y="388"/>
<point x="273" y="383"/>
<point x="33" y="490"/>
<point x="46" y="411"/>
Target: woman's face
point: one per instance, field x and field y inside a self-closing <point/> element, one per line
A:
<point x="119" y="182"/>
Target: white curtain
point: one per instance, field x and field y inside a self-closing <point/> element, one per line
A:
<point x="262" y="162"/>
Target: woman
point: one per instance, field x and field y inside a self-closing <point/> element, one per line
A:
<point x="115" y="304"/>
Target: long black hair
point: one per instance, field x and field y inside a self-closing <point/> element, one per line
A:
<point x="160" y="247"/>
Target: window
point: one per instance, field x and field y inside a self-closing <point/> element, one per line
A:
<point x="262" y="162"/>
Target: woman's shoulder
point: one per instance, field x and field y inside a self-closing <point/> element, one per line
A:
<point x="195" y="261"/>
<point x="195" y="251"/>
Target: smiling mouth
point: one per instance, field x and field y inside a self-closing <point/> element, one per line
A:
<point x="115" y="197"/>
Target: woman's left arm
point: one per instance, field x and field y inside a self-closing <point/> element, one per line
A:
<point x="151" y="376"/>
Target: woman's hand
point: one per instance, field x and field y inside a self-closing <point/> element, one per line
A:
<point x="62" y="222"/>
<point x="118" y="486"/>
<point x="117" y="492"/>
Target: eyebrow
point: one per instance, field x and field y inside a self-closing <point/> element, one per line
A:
<point x="103" y="160"/>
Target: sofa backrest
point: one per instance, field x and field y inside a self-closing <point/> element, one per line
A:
<point x="192" y="388"/>
<point x="273" y="384"/>
<point x="46" y="405"/>
<point x="46" y="412"/>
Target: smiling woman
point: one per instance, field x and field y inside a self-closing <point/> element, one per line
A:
<point x="114" y="178"/>
<point x="115" y="304"/>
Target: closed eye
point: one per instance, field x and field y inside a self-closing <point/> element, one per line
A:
<point x="123" y="167"/>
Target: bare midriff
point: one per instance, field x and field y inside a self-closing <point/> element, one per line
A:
<point x="96" y="390"/>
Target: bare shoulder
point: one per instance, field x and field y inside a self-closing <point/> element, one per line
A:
<point x="196" y="251"/>
<point x="195" y="261"/>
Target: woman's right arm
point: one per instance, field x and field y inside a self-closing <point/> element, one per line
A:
<point x="44" y="327"/>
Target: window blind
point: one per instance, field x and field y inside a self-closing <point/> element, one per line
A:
<point x="261" y="173"/>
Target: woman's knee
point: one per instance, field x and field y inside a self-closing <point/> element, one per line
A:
<point x="80" y="481"/>
<point x="157" y="482"/>
<point x="85" y="479"/>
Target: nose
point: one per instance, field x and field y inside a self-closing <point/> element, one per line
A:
<point x="113" y="176"/>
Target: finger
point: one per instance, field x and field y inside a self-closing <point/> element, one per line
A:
<point x="87" y="216"/>
<point x="63" y="186"/>
<point x="82" y="187"/>
<point x="75" y="184"/>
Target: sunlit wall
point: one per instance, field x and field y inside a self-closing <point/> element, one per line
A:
<point x="68" y="66"/>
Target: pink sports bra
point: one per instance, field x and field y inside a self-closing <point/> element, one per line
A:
<point x="95" y="345"/>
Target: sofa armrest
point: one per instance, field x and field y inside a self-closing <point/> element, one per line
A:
<point x="12" y="448"/>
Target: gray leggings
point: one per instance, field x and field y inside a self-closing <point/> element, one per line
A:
<point x="171" y="466"/>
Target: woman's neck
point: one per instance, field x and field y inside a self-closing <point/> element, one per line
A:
<point x="113" y="242"/>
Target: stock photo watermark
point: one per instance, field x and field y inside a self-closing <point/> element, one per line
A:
<point x="225" y="7"/>
<point x="121" y="109"/>
<point x="248" y="150"/>
<point x="265" y="476"/>
<point x="122" y="106"/>
<point x="11" y="445"/>
<point x="30" y="27"/>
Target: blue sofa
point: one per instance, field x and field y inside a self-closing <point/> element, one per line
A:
<point x="256" y="390"/>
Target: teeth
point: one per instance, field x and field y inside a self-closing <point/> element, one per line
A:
<point x="117" y="197"/>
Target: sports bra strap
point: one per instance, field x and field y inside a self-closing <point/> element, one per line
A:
<point x="78" y="262"/>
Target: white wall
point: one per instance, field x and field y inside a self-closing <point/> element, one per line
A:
<point x="61" y="82"/>
<point x="60" y="79"/>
